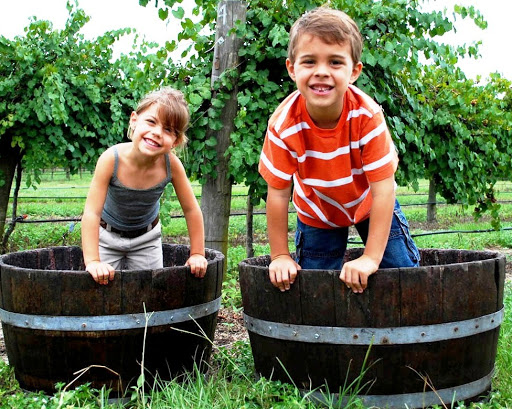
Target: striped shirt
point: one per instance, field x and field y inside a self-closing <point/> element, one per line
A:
<point x="331" y="169"/>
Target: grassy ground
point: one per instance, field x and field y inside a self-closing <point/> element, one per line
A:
<point x="231" y="383"/>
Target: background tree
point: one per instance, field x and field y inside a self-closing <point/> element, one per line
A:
<point x="465" y="134"/>
<point x="64" y="99"/>
<point x="399" y="39"/>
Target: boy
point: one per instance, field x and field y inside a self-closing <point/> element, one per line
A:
<point x="331" y="139"/>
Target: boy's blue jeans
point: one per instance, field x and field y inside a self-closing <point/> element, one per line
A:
<point x="324" y="249"/>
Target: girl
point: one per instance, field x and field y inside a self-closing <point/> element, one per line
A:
<point x="120" y="223"/>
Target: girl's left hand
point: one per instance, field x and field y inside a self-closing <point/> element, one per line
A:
<point x="198" y="265"/>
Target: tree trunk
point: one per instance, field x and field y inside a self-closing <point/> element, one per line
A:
<point x="9" y="158"/>
<point x="14" y="218"/>
<point x="431" y="206"/>
<point x="216" y="192"/>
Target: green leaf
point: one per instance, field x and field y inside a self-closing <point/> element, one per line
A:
<point x="211" y="142"/>
<point x="179" y="13"/>
<point x="163" y="14"/>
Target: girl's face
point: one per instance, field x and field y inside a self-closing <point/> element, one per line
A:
<point x="151" y="134"/>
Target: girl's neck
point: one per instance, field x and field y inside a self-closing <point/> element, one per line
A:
<point x="142" y="161"/>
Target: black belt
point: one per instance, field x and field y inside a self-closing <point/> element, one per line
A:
<point x="130" y="234"/>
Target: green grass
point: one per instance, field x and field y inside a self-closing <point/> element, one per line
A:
<point x="231" y="382"/>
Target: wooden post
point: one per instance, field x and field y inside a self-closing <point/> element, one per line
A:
<point x="216" y="192"/>
<point x="249" y="219"/>
<point x="431" y="206"/>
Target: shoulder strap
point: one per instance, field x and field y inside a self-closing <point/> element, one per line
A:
<point x="116" y="162"/>
<point x="168" y="166"/>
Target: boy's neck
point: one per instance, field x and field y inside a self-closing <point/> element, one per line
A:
<point x="328" y="124"/>
<point x="325" y="118"/>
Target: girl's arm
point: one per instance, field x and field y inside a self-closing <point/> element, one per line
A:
<point x="193" y="217"/>
<point x="100" y="272"/>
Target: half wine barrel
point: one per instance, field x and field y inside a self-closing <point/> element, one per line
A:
<point x="57" y="320"/>
<point x="438" y="322"/>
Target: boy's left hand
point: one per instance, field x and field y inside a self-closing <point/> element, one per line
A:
<point x="198" y="265"/>
<point x="355" y="273"/>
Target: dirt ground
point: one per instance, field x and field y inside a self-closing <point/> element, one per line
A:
<point x="230" y="326"/>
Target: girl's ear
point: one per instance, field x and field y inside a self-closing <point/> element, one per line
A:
<point x="133" y="119"/>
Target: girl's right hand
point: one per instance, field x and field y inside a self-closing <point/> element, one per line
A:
<point x="102" y="273"/>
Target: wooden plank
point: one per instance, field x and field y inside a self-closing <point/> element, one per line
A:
<point x="479" y="358"/>
<point x="457" y="293"/>
<point x="81" y="295"/>
<point x="485" y="297"/>
<point x="384" y="301"/>
<point x="220" y="267"/>
<point x="33" y="291"/>
<point x="136" y="291"/>
<point x="421" y="295"/>
<point x="273" y="357"/>
<point x="421" y="304"/>
<point x="499" y="278"/>
<point x="350" y="311"/>
<point x="318" y="309"/>
<point x="167" y="288"/>
<point x="6" y="284"/>
<point x="465" y="291"/>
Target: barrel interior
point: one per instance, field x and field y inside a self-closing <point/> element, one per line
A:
<point x="449" y="286"/>
<point x="52" y="282"/>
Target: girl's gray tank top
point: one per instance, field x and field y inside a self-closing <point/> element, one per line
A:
<point x="132" y="209"/>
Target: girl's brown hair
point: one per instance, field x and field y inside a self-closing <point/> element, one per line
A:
<point x="172" y="111"/>
<point x="332" y="26"/>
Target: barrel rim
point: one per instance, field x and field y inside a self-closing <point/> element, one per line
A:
<point x="218" y="256"/>
<point x="493" y="255"/>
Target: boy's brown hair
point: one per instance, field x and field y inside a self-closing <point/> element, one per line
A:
<point x="172" y="111"/>
<point x="332" y="26"/>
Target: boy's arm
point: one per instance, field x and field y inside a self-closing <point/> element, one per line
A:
<point x="283" y="269"/>
<point x="355" y="273"/>
<point x="193" y="217"/>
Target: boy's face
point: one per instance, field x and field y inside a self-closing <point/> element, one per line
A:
<point x="322" y="73"/>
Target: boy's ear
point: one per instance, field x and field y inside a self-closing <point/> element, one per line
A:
<point x="291" y="69"/>
<point x="356" y="71"/>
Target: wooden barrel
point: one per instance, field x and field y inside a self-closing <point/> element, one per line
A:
<point x="440" y="320"/>
<point x="56" y="320"/>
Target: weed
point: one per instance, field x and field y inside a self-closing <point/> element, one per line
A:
<point x="230" y="382"/>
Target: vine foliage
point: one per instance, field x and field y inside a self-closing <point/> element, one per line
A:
<point x="445" y="126"/>
<point x="65" y="99"/>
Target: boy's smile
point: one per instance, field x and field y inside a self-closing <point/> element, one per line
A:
<point x="322" y="73"/>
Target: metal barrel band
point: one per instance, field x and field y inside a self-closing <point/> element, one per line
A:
<point x="109" y="322"/>
<point x="412" y="400"/>
<point x="374" y="336"/>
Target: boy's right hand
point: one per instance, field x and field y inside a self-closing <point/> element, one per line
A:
<point x="102" y="273"/>
<point x="283" y="271"/>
